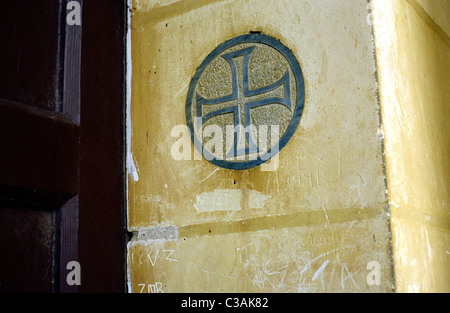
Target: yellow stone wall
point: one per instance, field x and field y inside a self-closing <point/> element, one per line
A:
<point x="413" y="54"/>
<point x="315" y="222"/>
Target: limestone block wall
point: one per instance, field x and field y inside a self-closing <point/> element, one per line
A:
<point x="315" y="218"/>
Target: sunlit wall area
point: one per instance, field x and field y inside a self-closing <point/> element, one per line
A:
<point x="413" y="57"/>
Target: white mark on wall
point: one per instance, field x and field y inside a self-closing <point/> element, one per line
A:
<point x="169" y="253"/>
<point x="133" y="168"/>
<point x="320" y="270"/>
<point x="183" y="87"/>
<point x="359" y="185"/>
<point x="219" y="200"/>
<point x="348" y="276"/>
<point x="326" y="215"/>
<point x="156" y="202"/>
<point x="265" y="270"/>
<point x="149" y="257"/>
<point x="151" y="288"/>
<point x="228" y="200"/>
<point x="212" y="173"/>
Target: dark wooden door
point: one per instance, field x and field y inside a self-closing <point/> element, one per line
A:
<point x="61" y="146"/>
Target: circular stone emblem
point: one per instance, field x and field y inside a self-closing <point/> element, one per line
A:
<point x="245" y="101"/>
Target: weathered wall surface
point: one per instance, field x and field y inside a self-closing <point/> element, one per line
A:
<point x="311" y="224"/>
<point x="413" y="53"/>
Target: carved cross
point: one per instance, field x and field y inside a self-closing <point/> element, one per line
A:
<point x="242" y="100"/>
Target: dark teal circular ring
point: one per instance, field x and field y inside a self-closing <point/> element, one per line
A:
<point x="300" y="100"/>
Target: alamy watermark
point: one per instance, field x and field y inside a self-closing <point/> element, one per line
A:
<point x="74" y="275"/>
<point x="73" y="13"/>
<point x="374" y="276"/>
<point x="230" y="143"/>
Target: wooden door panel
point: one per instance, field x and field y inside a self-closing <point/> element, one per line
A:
<point x="40" y="150"/>
<point x="61" y="146"/>
<point x="27" y="241"/>
<point x="39" y="144"/>
<point x="102" y="232"/>
<point x="30" y="39"/>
